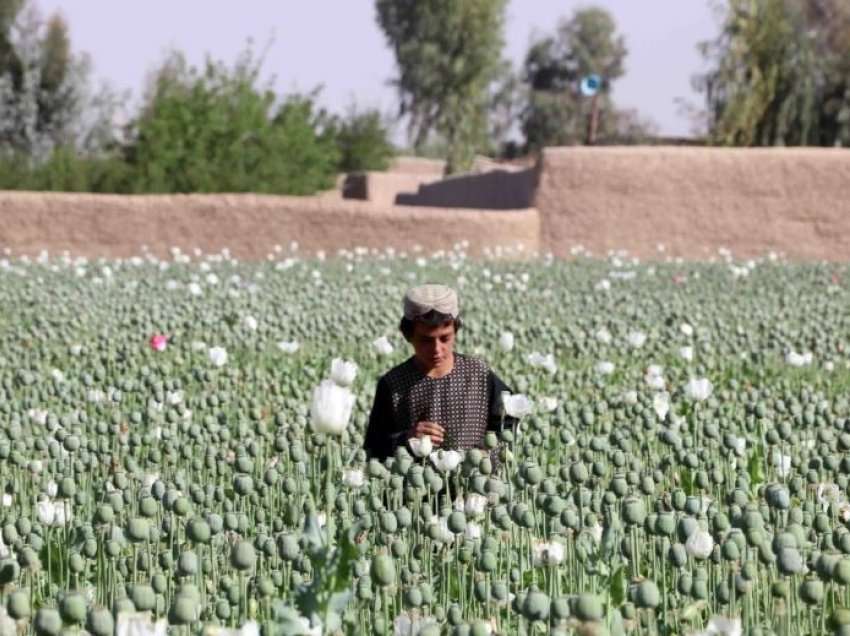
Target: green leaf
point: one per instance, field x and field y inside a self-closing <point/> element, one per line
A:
<point x="687" y="479"/>
<point x="617" y="588"/>
<point x="755" y="467"/>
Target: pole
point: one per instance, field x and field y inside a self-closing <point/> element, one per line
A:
<point x="594" y="120"/>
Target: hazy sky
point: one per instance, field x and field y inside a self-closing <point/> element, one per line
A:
<point x="337" y="43"/>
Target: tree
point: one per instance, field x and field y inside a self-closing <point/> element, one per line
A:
<point x="555" y="112"/>
<point x="363" y="141"/>
<point x="46" y="97"/>
<point x="781" y="74"/>
<point x="217" y="130"/>
<point x="448" y="55"/>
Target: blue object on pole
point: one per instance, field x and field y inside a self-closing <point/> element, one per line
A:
<point x="590" y="85"/>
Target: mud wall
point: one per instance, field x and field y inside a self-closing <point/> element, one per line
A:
<point x="248" y="225"/>
<point x="795" y="201"/>
<point x="691" y="200"/>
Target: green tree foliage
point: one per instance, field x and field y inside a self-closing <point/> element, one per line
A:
<point x="46" y="98"/>
<point x="555" y="111"/>
<point x="448" y="55"/>
<point x="10" y="62"/>
<point x="363" y="141"/>
<point x="780" y="74"/>
<point x="216" y="130"/>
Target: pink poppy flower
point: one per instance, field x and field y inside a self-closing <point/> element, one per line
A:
<point x="158" y="342"/>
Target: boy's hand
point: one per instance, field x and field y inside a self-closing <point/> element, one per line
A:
<point x="432" y="429"/>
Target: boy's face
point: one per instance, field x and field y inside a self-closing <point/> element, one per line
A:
<point x="433" y="346"/>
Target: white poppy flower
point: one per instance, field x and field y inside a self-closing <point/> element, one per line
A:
<point x="604" y="367"/>
<point x="603" y="335"/>
<point x="474" y="505"/>
<point x="472" y="530"/>
<point x="548" y="404"/>
<point x="382" y="346"/>
<point x="548" y="553"/>
<point x="39" y="416"/>
<point x="250" y="323"/>
<point x="636" y="339"/>
<point x="53" y="513"/>
<point x="654" y="377"/>
<point x="699" y="389"/>
<point x="330" y="408"/>
<point x="661" y="405"/>
<point x="686" y="329"/>
<point x="288" y="346"/>
<point x="218" y="356"/>
<point x="798" y="359"/>
<point x="722" y="626"/>
<point x="700" y="544"/>
<point x="195" y="289"/>
<point x="686" y="353"/>
<point x="421" y="446"/>
<point x="139" y="624"/>
<point x="547" y="361"/>
<point x="516" y="405"/>
<point x="353" y="477"/>
<point x="446" y="460"/>
<point x="506" y="341"/>
<point x="343" y="372"/>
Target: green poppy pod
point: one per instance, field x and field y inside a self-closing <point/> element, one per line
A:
<point x="143" y="597"/>
<point x="457" y="522"/>
<point x="811" y="591"/>
<point x="825" y="564"/>
<point x="413" y="597"/>
<point x="18" y="605"/>
<point x="138" y="529"/>
<point x="487" y="561"/>
<point x="198" y="530"/>
<point x="28" y="558"/>
<point x="243" y="557"/>
<point x="47" y="622"/>
<point x="536" y="605"/>
<point x="389" y="523"/>
<point x="840" y="618"/>
<point x="184" y="610"/>
<point x="749" y="570"/>
<point x="699" y="589"/>
<point x="10" y="534"/>
<point x="148" y="507"/>
<point x="730" y="550"/>
<point x="76" y="562"/>
<point x="684" y="584"/>
<point x="646" y="595"/>
<point x="587" y="607"/>
<point x="383" y="570"/>
<point x="677" y="555"/>
<point x="841" y="572"/>
<point x="634" y="511"/>
<point x="99" y="622"/>
<point x="187" y="563"/>
<point x="789" y="561"/>
<point x="533" y="474"/>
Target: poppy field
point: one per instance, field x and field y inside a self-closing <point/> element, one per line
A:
<point x="181" y="448"/>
